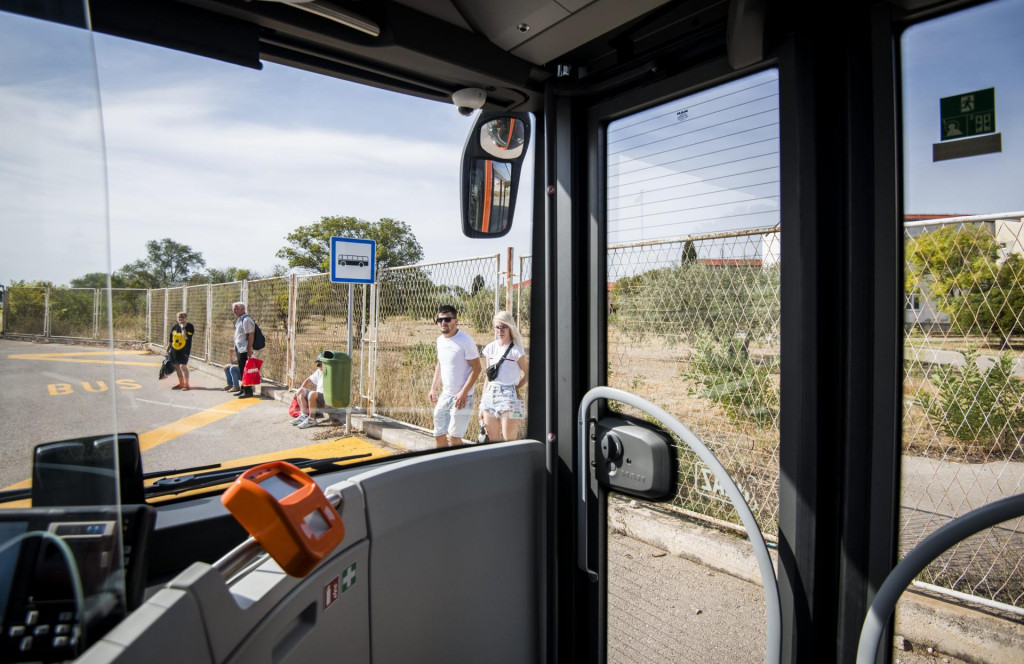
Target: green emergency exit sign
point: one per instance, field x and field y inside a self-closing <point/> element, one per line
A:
<point x="969" y="114"/>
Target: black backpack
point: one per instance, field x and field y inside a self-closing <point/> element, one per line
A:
<point x="259" y="342"/>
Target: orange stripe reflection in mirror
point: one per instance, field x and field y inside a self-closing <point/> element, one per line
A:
<point x="488" y="184"/>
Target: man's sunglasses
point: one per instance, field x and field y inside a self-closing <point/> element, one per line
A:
<point x="444" y="319"/>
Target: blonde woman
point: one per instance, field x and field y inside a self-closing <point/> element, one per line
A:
<point x="508" y="369"/>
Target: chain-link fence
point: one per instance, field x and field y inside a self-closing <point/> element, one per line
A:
<point x="221" y="321"/>
<point x="963" y="420"/>
<point x="405" y="351"/>
<point x="320" y="322"/>
<point x="521" y="291"/>
<point x="77" y="313"/>
<point x="693" y="326"/>
<point x="25" y="310"/>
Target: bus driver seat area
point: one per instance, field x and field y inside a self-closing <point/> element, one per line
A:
<point x="422" y="574"/>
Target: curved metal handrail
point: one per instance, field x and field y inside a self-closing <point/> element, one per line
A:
<point x="773" y="636"/>
<point x="920" y="557"/>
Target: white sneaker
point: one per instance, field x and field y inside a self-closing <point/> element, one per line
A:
<point x="298" y="420"/>
<point x="310" y="422"/>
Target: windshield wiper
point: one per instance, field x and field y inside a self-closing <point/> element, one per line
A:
<point x="169" y="486"/>
<point x="179" y="483"/>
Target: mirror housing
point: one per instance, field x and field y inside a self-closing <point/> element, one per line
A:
<point x="491" y="165"/>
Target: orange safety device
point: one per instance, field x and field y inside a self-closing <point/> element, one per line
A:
<point x="287" y="514"/>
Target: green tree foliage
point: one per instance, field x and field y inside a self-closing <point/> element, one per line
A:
<point x="98" y="280"/>
<point x="217" y="276"/>
<point x="980" y="407"/>
<point x="309" y="246"/>
<point x="689" y="252"/>
<point x="166" y="263"/>
<point x="961" y="269"/>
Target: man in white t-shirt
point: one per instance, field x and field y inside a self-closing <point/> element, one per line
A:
<point x="458" y="366"/>
<point x="310" y="397"/>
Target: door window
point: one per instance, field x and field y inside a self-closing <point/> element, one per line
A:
<point x="693" y="265"/>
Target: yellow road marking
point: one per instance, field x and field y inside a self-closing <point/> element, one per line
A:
<point x="151" y="439"/>
<point x="168" y="432"/>
<point x="74" y="357"/>
<point x="322" y="450"/>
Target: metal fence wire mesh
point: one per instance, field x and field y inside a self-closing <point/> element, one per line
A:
<point x="77" y="313"/>
<point x="73" y="312"/>
<point x="268" y="303"/>
<point x="963" y="420"/>
<point x="320" y="322"/>
<point x="127" y="312"/>
<point x="157" y="298"/>
<point x="25" y="311"/>
<point x="222" y="321"/>
<point x="405" y="349"/>
<point x="196" y="298"/>
<point x="698" y="335"/>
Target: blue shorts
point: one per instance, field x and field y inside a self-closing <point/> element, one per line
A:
<point x="498" y="398"/>
<point x="448" y="419"/>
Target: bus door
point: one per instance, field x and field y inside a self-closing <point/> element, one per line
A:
<point x="688" y="188"/>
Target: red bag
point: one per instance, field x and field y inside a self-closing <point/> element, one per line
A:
<point x="251" y="375"/>
<point x="293" y="407"/>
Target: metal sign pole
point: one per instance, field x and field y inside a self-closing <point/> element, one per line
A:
<point x="348" y="409"/>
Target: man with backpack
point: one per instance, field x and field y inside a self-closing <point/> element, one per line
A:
<point x="245" y="343"/>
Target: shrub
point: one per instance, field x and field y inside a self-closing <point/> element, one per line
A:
<point x="975" y="405"/>
<point x="727" y="376"/>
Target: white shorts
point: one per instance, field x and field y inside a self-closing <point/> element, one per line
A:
<point x="499" y="398"/>
<point x="448" y="419"/>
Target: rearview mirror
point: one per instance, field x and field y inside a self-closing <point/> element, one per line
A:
<point x="491" y="163"/>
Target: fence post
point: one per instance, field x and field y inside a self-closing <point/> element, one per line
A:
<point x="95" y="313"/>
<point x="498" y="283"/>
<point x="209" y="324"/>
<point x="167" y="297"/>
<point x="289" y="333"/>
<point x="46" y="312"/>
<point x="374" y="317"/>
<point x="508" y="281"/>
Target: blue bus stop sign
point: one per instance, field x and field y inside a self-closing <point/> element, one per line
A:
<point x="353" y="261"/>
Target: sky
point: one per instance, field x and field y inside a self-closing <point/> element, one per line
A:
<point x="225" y="159"/>
<point x="229" y="160"/>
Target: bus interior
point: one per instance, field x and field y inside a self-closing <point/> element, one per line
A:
<point x="596" y="117"/>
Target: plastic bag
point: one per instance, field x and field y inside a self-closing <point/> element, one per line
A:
<point x="293" y="407"/>
<point x="251" y="375"/>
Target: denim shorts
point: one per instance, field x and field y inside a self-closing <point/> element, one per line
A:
<point x="498" y="398"/>
<point x="448" y="419"/>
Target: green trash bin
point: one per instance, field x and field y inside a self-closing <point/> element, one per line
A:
<point x="337" y="378"/>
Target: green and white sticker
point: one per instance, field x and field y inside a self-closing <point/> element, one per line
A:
<point x="348" y="577"/>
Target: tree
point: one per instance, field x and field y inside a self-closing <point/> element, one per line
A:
<point x="689" y="252"/>
<point x="216" y="276"/>
<point x="167" y="263"/>
<point x="310" y="245"/>
<point x="98" y="280"/>
<point x="962" y="270"/>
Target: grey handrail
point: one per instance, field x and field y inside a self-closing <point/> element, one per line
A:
<point x="920" y="557"/>
<point x="773" y="635"/>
